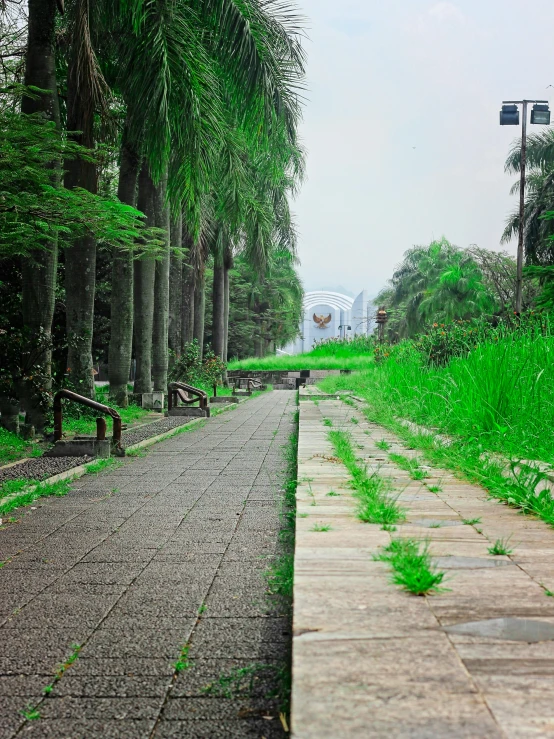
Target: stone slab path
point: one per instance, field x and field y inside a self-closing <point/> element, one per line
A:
<point x="161" y="558"/>
<point x="370" y="660"/>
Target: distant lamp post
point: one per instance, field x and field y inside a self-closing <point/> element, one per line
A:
<point x="381" y="320"/>
<point x="346" y="328"/>
<point x="509" y="116"/>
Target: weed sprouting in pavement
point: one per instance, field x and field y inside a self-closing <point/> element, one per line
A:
<point x="383" y="445"/>
<point x="434" y="488"/>
<point x="470" y="521"/>
<point x="376" y="503"/>
<point x="411" y="466"/>
<point x="327" y="422"/>
<point x="412" y="567"/>
<point x="30" y="713"/>
<point x="501" y="547"/>
<point x="321" y="527"/>
<point x="184" y="662"/>
<point x="332" y="494"/>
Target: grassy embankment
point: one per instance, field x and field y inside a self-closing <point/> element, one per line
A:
<point x="353" y="355"/>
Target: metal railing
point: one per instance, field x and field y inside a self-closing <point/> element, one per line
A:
<point x="252" y="383"/>
<point x="187" y="394"/>
<point x="100" y="422"/>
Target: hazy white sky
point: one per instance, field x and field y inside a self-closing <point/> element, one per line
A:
<point x="385" y="77"/>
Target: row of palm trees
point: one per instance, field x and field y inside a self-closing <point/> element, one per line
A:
<point x="197" y="103"/>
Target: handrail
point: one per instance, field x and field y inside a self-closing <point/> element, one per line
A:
<point x="100" y="422"/>
<point x="175" y="392"/>
<point x="252" y="383"/>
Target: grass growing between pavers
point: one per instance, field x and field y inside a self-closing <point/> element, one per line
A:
<point x="501" y="547"/>
<point x="524" y="488"/>
<point x="411" y="466"/>
<point x="375" y="500"/>
<point x="412" y="567"/>
<point x="31" y="712"/>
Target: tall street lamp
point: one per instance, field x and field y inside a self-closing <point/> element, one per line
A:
<point x="509" y="116"/>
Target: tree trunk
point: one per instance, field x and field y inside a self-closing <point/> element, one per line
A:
<point x="144" y="275"/>
<point x="199" y="308"/>
<point x="80" y="257"/>
<point x="218" y="303"/>
<point x="121" y="317"/>
<point x="227" y="265"/>
<point x="176" y="287"/>
<point x="187" y="321"/>
<point x="160" y="354"/>
<point x="40" y="268"/>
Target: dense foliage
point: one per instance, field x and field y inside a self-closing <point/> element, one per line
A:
<point x="148" y="152"/>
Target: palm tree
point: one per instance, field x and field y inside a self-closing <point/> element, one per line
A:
<point x="438" y="282"/>
<point x="244" y="61"/>
<point x="539" y="198"/>
<point x="39" y="270"/>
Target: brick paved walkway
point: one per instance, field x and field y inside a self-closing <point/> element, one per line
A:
<point x="133" y="565"/>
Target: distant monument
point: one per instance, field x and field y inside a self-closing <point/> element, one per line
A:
<point x="329" y="314"/>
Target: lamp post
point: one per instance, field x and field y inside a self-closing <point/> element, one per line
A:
<point x="346" y="328"/>
<point x="509" y="116"/>
<point x="381" y="320"/>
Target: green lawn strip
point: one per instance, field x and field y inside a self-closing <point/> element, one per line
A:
<point x="376" y="503"/>
<point x="13" y="448"/>
<point x="412" y="567"/>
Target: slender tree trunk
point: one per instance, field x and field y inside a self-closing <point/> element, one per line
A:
<point x="80" y="257"/>
<point x="227" y="266"/>
<point x="187" y="302"/>
<point x="176" y="288"/>
<point x="160" y="354"/>
<point x="145" y="270"/>
<point x="218" y="304"/>
<point x="40" y="268"/>
<point x="121" y="317"/>
<point x="199" y="308"/>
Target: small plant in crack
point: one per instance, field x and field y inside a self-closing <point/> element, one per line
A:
<point x="384" y="445"/>
<point x="327" y="422"/>
<point x="302" y="515"/>
<point x="203" y="608"/>
<point x="501" y="547"/>
<point x="354" y="420"/>
<point x="435" y="526"/>
<point x="470" y="521"/>
<point x="388" y="527"/>
<point x="549" y="593"/>
<point x="434" y="488"/>
<point x="412" y="568"/>
<point x="183" y="663"/>
<point x="236" y="681"/>
<point x="411" y="466"/>
<point x="321" y="527"/>
<point x="30" y="713"/>
<point x="333" y="494"/>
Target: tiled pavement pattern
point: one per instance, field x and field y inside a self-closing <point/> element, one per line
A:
<point x="377" y="662"/>
<point x="122" y="566"/>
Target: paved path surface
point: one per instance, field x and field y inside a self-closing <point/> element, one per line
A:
<point x="164" y="553"/>
<point x="372" y="661"/>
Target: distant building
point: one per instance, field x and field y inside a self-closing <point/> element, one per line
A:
<point x="329" y="314"/>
